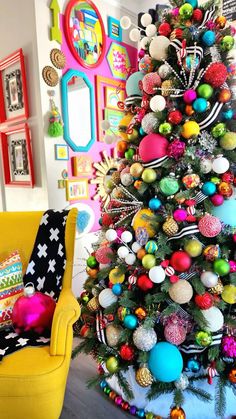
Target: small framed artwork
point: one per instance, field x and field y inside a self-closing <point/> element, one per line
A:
<point x="113" y="96"/>
<point x="114" y="29"/>
<point x="118" y="60"/>
<point x="13" y="91"/>
<point x="114" y="117"/>
<point x="81" y="165"/>
<point x="76" y="189"/>
<point x="61" y="152"/>
<point x="17" y="156"/>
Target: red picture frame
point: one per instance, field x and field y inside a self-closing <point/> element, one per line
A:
<point x="14" y="106"/>
<point x="17" y="157"/>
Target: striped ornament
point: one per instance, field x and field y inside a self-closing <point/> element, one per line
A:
<point x="169" y="271"/>
<point x="132" y="279"/>
<point x="191" y="210"/>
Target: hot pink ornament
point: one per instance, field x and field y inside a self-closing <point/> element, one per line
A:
<point x="33" y="312"/>
<point x="141" y="53"/>
<point x="234" y="238"/>
<point x="152" y="147"/>
<point x="189" y="96"/>
<point x="150" y="82"/>
<point x="232" y="264"/>
<point x="209" y="226"/>
<point x="229" y="346"/>
<point x="180" y="215"/>
<point x="102" y="254"/>
<point x="217" y="200"/>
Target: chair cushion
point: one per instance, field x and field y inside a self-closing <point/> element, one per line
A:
<point x="11" y="287"/>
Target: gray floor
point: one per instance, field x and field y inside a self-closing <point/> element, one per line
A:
<point x="83" y="403"/>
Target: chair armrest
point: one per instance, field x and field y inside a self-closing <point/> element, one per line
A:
<point x="66" y="313"/>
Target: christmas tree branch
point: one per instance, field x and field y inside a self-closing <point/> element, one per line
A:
<point x="199" y="393"/>
<point x="123" y="383"/>
<point x="220" y="397"/>
<point x="178" y="397"/>
<point x="158" y="388"/>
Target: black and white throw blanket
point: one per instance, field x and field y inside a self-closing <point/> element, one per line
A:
<point x="45" y="270"/>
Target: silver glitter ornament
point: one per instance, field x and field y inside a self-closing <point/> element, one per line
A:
<point x="149" y="122"/>
<point x="144" y="339"/>
<point x="182" y="383"/>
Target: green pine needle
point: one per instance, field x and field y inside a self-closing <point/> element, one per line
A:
<point x="178" y="397"/>
<point x="199" y="393"/>
<point x="220" y="397"/>
<point x="125" y="386"/>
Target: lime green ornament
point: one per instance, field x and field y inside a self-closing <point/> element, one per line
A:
<point x="186" y="11"/>
<point x="165" y="128"/>
<point x="129" y="154"/>
<point x="221" y="267"/>
<point x="112" y="364"/>
<point x="92" y="262"/>
<point x="229" y="294"/>
<point x="203" y="338"/>
<point x="227" y="43"/>
<point x="228" y="141"/>
<point x="169" y="185"/>
<point x="149" y="175"/>
<point x="193" y="247"/>
<point x="148" y="261"/>
<point x="219" y="130"/>
<point x="205" y="91"/>
<point x="215" y="180"/>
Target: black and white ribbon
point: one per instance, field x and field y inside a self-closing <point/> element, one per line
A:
<point x="194" y="49"/>
<point x="200" y="197"/>
<point x="209" y="120"/>
<point x="186" y="231"/>
<point x="187" y="275"/>
<point x="208" y="16"/>
<point x="99" y="328"/>
<point x="153" y="164"/>
<point x="130" y="100"/>
<point x="192" y="348"/>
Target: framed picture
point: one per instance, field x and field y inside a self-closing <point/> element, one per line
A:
<point x="118" y="60"/>
<point x="114" y="29"/>
<point x="61" y="152"/>
<point x="114" y="117"/>
<point x="81" y="165"/>
<point x="17" y="156"/>
<point x="113" y="96"/>
<point x="76" y="189"/>
<point x="13" y="91"/>
<point x="101" y="98"/>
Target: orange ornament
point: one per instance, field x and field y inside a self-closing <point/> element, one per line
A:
<point x="92" y="272"/>
<point x="225" y="189"/>
<point x="189" y="110"/>
<point x="122" y="146"/>
<point x="140" y="313"/>
<point x="141" y="253"/>
<point x="138" y="184"/>
<point x="224" y="95"/>
<point x="221" y="21"/>
<point x="232" y="376"/>
<point x="177" y="413"/>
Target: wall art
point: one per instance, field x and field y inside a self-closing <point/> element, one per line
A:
<point x="114" y="29"/>
<point x="61" y="152"/>
<point x="118" y="60"/>
<point x="55" y="31"/>
<point x="76" y="189"/>
<point x="81" y="165"/>
<point x="113" y="96"/>
<point x="114" y="117"/>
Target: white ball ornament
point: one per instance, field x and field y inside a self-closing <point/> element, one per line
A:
<point x="122" y="252"/>
<point x="136" y="247"/>
<point x="164" y="71"/>
<point x="205" y="165"/>
<point x="144" y="339"/>
<point x="107" y="298"/>
<point x="157" y="274"/>
<point x="125" y="22"/>
<point x="105" y="125"/>
<point x="151" y="30"/>
<point x="214" y="318"/>
<point x="158" y="47"/>
<point x="220" y="165"/>
<point x="134" y="35"/>
<point x="146" y="20"/>
<point x="209" y="279"/>
<point x="127" y="179"/>
<point x="144" y="41"/>
<point x="111" y="235"/>
<point x="157" y="103"/>
<point x="126" y="236"/>
<point x="130" y="259"/>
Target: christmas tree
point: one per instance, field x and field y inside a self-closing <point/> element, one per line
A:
<point x="161" y="289"/>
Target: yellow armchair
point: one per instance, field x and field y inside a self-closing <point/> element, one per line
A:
<point x="33" y="379"/>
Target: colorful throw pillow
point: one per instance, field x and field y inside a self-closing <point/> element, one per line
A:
<point x="11" y="287"/>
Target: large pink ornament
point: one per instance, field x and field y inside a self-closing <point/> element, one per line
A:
<point x="209" y="226"/>
<point x="102" y="254"/>
<point x="152" y="147"/>
<point x="150" y="82"/>
<point x="229" y="346"/>
<point x="33" y="312"/>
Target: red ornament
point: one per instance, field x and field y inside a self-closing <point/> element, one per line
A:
<point x="204" y="301"/>
<point x="126" y="352"/>
<point x="84" y="331"/>
<point x="216" y="74"/>
<point x="175" y="333"/>
<point x="180" y="261"/>
<point x="191" y="219"/>
<point x="209" y="226"/>
<point x="103" y="253"/>
<point x="224" y="95"/>
<point x="145" y="283"/>
<point x="174" y="279"/>
<point x="175" y="117"/>
<point x="106" y="220"/>
<point x="227" y="177"/>
<point x="164" y="29"/>
<point x="177" y="34"/>
<point x="197" y="15"/>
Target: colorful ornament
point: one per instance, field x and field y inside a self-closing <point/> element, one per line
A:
<point x="224" y="95"/>
<point x="145" y="218"/>
<point x="157" y="274"/>
<point x="221" y="267"/>
<point x="126" y="352"/>
<point x="170" y="227"/>
<point x="165" y="128"/>
<point x="107" y="298"/>
<point x="205" y="91"/>
<point x="209" y="188"/>
<point x="165" y="362"/>
<point x="113" y="333"/>
<point x="216" y="74"/>
<point x="186" y="11"/>
<point x="221" y="21"/>
<point x="225" y="189"/>
<point x="203" y="338"/>
<point x="153" y="147"/>
<point x="190" y="129"/>
<point x="228" y="141"/>
<point x="232" y="376"/>
<point x="150" y="82"/>
<point x="189" y="96"/>
<point x="169" y="185"/>
<point x="181" y="292"/>
<point x="209" y="279"/>
<point x="229" y="294"/>
<point x="193" y="365"/>
<point x="208" y="38"/>
<point x="141" y="313"/>
<point x="193" y="247"/>
<point x="112" y="364"/>
<point x="200" y="105"/>
<point x="93" y="304"/>
<point x="149" y="122"/>
<point x="197" y="15"/>
<point x="226" y="212"/>
<point x="228" y="345"/>
<point x="175" y="117"/>
<point x="117" y="289"/>
<point x="180" y="261"/>
<point x="204" y="301"/>
<point x="133" y="85"/>
<point x="219" y="130"/>
<point x="148" y="261"/>
<point x="130" y="321"/>
<point x="142" y="237"/>
<point x="180" y="215"/>
<point x="149" y="175"/>
<point x="191" y="180"/>
<point x="227" y="43"/>
<point x="144" y="378"/>
<point x="174" y="332"/>
<point x="164" y="29"/>
<point x="92" y="262"/>
<point x="154" y="204"/>
<point x="103" y="253"/>
<point x="144" y="283"/>
<point x="177" y="413"/>
<point x="116" y="276"/>
<point x="122" y="312"/>
<point x="217" y="200"/>
<point x="164" y="71"/>
<point x="209" y="226"/>
<point x="145" y="64"/>
<point x="151" y="247"/>
<point x="166" y="88"/>
<point x="182" y="383"/>
<point x="218" y="288"/>
<point x="214" y="318"/>
<point x="144" y="339"/>
<point x="111" y="235"/>
<point x="176" y="149"/>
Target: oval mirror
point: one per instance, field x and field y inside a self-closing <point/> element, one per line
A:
<point x="78" y="110"/>
<point x="85" y="33"/>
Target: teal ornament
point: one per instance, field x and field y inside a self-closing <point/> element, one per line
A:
<point x="209" y="188"/>
<point x="169" y="185"/>
<point x="117" y="289"/>
<point x="190" y="62"/>
<point x="200" y="105"/>
<point x="151" y="247"/>
<point x="208" y="38"/>
<point x="219" y="130"/>
<point x="154" y="204"/>
<point x="165" y="362"/>
<point x="141" y="131"/>
<point x="140" y="413"/>
<point x="194" y="3"/>
<point x="205" y="90"/>
<point x="221" y="267"/>
<point x="132" y="84"/>
<point x="193" y="365"/>
<point x="165" y="128"/>
<point x="227" y="115"/>
<point x="186" y="11"/>
<point x="130" y="321"/>
<point x="226" y="212"/>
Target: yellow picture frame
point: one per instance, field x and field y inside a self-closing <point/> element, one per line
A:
<point x="77" y="189"/>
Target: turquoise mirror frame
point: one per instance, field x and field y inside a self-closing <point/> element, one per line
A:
<point x="64" y="92"/>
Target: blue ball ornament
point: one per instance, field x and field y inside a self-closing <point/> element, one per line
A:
<point x="140" y="413"/>
<point x="132" y="84"/>
<point x="103" y="384"/>
<point x="117" y="289"/>
<point x="130" y="321"/>
<point x="165" y="362"/>
<point x="200" y="105"/>
<point x="208" y="38"/>
<point x="209" y="188"/>
<point x="154" y="204"/>
<point x="193" y="365"/>
<point x="194" y="3"/>
<point x="226" y="212"/>
<point x="227" y="115"/>
<point x="141" y="131"/>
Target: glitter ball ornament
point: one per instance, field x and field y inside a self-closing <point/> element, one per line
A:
<point x="175" y="333"/>
<point x="146" y="64"/>
<point x="164" y="29"/>
<point x="113" y="333"/>
<point x="211" y="252"/>
<point x="170" y="227"/>
<point x="144" y="377"/>
<point x="216" y="74"/>
<point x="218" y="288"/>
<point x="228" y="345"/>
<point x="203" y="338"/>
<point x="208" y="38"/>
<point x="166" y="87"/>
<point x="186" y="11"/>
<point x="197" y="15"/>
<point x="175" y="117"/>
<point x="150" y="82"/>
<point x="182" y="383"/>
<point x="209" y="279"/>
<point x="169" y="185"/>
<point x="209" y="226"/>
<point x="227" y="43"/>
<point x="176" y="149"/>
<point x="126" y="352"/>
<point x="180" y="261"/>
<point x="191" y="180"/>
<point x="181" y="292"/>
<point x="144" y="339"/>
<point x="149" y="122"/>
<point x="177" y="413"/>
<point x="164" y="71"/>
<point x="103" y="253"/>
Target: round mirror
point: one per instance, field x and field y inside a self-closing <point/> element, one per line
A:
<point x="85" y="32"/>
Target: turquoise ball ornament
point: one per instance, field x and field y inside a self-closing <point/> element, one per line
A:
<point x="151" y="247"/>
<point x="190" y="62"/>
<point x="205" y="90"/>
<point x="208" y="38"/>
<point x="209" y="188"/>
<point x="165" y="362"/>
<point x="193" y="365"/>
<point x="227" y="115"/>
<point x="226" y="212"/>
<point x="186" y="11"/>
<point x="165" y="128"/>
<point x="132" y="84"/>
<point x="200" y="105"/>
<point x="117" y="289"/>
<point x="130" y="321"/>
<point x="221" y="267"/>
<point x="194" y="3"/>
<point x="141" y="131"/>
<point x="154" y="204"/>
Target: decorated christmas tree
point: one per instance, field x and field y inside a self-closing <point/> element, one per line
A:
<point x="160" y="296"/>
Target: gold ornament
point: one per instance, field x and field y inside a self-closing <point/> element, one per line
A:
<point x="218" y="289"/>
<point x="113" y="334"/>
<point x="144" y="377"/>
<point x="93" y="304"/>
<point x="170" y="227"/>
<point x="166" y="88"/>
<point x="115" y="177"/>
<point x="177" y="413"/>
<point x="117" y="193"/>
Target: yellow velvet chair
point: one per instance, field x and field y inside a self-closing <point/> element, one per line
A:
<point x="33" y="379"/>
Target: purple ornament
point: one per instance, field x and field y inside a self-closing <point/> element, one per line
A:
<point x="180" y="215"/>
<point x="176" y="149"/>
<point x="229" y="346"/>
<point x="132" y="410"/>
<point x="141" y="236"/>
<point x="189" y="96"/>
<point x="118" y="400"/>
<point x="232" y="264"/>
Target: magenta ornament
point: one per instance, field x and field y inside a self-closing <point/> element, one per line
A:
<point x="232" y="265"/>
<point x="141" y="53"/>
<point x="180" y="215"/>
<point x="33" y="312"/>
<point x="176" y="149"/>
<point x="228" y="344"/>
<point x="189" y="96"/>
<point x="217" y="200"/>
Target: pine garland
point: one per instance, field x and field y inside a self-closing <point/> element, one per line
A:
<point x="220" y="397"/>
